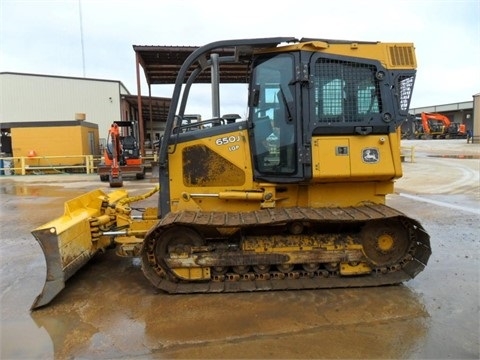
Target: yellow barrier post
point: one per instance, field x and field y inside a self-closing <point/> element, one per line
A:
<point x="22" y="165"/>
<point x="404" y="153"/>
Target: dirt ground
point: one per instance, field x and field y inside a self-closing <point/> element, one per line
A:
<point x="110" y="311"/>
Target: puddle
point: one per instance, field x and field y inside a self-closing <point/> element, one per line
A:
<point x="65" y="189"/>
<point x="108" y="310"/>
<point x="31" y="190"/>
<point x="456" y="156"/>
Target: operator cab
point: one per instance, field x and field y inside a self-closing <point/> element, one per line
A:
<point x="330" y="96"/>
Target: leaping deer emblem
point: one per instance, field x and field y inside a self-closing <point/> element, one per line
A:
<point x="370" y="155"/>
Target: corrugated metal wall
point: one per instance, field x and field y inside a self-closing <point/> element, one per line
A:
<point x="30" y="97"/>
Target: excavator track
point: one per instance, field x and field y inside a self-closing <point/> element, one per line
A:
<point x="206" y="252"/>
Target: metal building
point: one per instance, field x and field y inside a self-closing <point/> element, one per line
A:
<point x="35" y="98"/>
<point x="460" y="113"/>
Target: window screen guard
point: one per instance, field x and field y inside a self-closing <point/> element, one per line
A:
<point x="345" y="91"/>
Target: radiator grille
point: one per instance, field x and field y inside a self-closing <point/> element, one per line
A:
<point x="402" y="56"/>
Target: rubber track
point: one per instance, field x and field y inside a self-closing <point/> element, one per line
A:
<point x="407" y="269"/>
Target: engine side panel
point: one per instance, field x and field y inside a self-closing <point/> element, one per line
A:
<point x="357" y="158"/>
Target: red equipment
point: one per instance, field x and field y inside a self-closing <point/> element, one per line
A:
<point x="121" y="156"/>
<point x="439" y="126"/>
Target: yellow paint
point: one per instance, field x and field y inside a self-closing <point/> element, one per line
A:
<point x="391" y="55"/>
<point x="193" y="273"/>
<point x="385" y="242"/>
<point x="228" y="179"/>
<point x="335" y="158"/>
<point x="54" y="141"/>
<point x="338" y="166"/>
<point x="354" y="269"/>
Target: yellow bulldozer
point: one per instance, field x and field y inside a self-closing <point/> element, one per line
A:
<point x="290" y="197"/>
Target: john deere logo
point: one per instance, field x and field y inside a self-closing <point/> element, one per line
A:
<point x="370" y="155"/>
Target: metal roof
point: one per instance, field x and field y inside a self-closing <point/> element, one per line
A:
<point x="464" y="105"/>
<point x="123" y="89"/>
<point x="162" y="63"/>
<point x="157" y="107"/>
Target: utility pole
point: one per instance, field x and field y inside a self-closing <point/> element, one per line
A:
<point x="81" y="35"/>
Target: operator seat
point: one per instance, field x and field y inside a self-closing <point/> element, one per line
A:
<point x="130" y="148"/>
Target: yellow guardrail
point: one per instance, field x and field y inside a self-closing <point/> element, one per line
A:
<point x="25" y="165"/>
<point x="407" y="152"/>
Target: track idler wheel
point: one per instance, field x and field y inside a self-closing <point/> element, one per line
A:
<point x="158" y="245"/>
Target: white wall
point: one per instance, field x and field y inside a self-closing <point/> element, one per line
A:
<point x="30" y="97"/>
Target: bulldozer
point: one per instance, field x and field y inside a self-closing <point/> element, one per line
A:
<point x="293" y="196"/>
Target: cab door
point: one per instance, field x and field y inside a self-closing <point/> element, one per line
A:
<point x="275" y="119"/>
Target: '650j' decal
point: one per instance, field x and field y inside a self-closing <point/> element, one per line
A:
<point x="229" y="140"/>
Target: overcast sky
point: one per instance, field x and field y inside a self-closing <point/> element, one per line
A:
<point x="45" y="37"/>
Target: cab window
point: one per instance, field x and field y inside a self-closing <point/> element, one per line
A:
<point x="272" y="114"/>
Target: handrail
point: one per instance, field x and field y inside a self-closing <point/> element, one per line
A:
<point x="22" y="165"/>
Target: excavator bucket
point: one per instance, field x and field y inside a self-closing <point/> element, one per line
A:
<point x="71" y="240"/>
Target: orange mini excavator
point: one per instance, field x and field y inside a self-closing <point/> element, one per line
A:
<point x="121" y="156"/>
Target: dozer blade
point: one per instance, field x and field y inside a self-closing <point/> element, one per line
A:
<point x="67" y="241"/>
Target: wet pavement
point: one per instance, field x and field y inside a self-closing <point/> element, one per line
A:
<point x="110" y="311"/>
